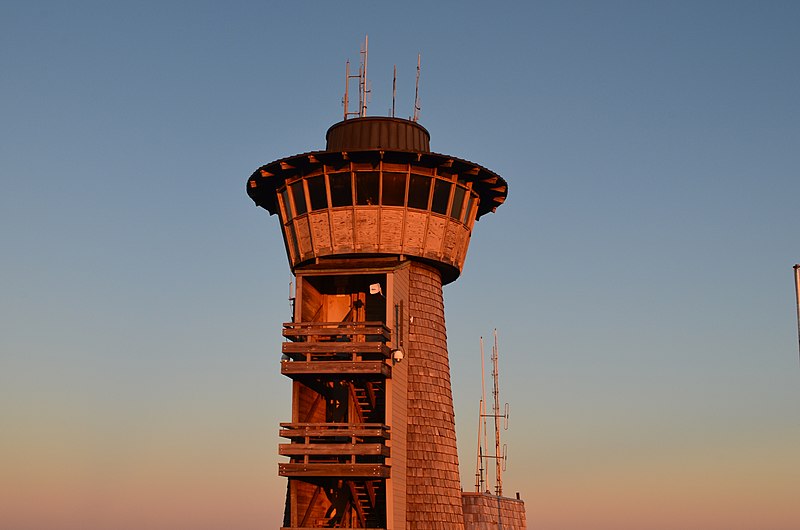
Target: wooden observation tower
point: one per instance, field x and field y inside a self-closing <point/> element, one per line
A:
<point x="373" y="226"/>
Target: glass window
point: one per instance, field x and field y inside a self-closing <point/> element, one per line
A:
<point x="341" y="189"/>
<point x="468" y="211"/>
<point x="367" y="186"/>
<point x="419" y="189"/>
<point x="317" y="193"/>
<point x="293" y="239"/>
<point x="441" y="196"/>
<point x="394" y="189"/>
<point x="287" y="208"/>
<point x="299" y="197"/>
<point x="458" y="202"/>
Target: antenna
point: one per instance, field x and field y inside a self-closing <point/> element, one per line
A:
<point x="362" y="99"/>
<point x="292" y="297"/>
<point x="394" y="88"/>
<point x="482" y="430"/>
<point x="500" y="456"/>
<point x="363" y="90"/>
<point x="797" y="289"/>
<point x="416" y="91"/>
<point x="498" y="489"/>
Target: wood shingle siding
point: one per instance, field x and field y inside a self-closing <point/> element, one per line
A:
<point x="433" y="487"/>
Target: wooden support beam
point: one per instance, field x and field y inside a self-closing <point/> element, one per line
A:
<point x="321" y="430"/>
<point x="300" y="369"/>
<point x="310" y="505"/>
<point x="370" y="485"/>
<point x="336" y="332"/>
<point x="329" y="328"/>
<point x="310" y="348"/>
<point x="315" y="449"/>
<point x="317" y="528"/>
<point x="357" y="504"/>
<point x="313" y="407"/>
<point x="334" y="470"/>
<point x="373" y="400"/>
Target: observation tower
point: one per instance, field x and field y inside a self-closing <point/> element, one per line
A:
<point x="373" y="226"/>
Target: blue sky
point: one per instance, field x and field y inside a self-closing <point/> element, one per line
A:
<point x="639" y="273"/>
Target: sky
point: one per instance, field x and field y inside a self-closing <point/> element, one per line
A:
<point x="639" y="274"/>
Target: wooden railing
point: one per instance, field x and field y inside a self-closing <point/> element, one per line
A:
<point x="339" y="430"/>
<point x="333" y="331"/>
<point x="336" y="341"/>
<point x="335" y="446"/>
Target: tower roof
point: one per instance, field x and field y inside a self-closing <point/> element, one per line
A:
<point x="374" y="139"/>
<point x="378" y="133"/>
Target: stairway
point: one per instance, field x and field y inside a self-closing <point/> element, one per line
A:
<point x="369" y="401"/>
<point x="364" y="495"/>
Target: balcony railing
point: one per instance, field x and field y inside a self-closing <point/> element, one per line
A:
<point x="346" y="348"/>
<point x="333" y="331"/>
<point x="353" y="450"/>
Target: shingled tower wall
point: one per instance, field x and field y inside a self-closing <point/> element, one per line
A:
<point x="373" y="227"/>
<point x="434" y="498"/>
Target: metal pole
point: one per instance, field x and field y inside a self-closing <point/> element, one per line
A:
<point x="797" y="298"/>
<point x="485" y="445"/>
<point x="416" y="90"/>
<point x="478" y="467"/>
<point x="346" y="86"/>
<point x="394" y="88"/>
<point x="496" y="374"/>
<point x="364" y="101"/>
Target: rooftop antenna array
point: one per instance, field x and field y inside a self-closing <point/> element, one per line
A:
<point x="500" y="458"/>
<point x="365" y="91"/>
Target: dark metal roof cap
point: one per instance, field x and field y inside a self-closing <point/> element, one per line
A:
<point x="377" y="132"/>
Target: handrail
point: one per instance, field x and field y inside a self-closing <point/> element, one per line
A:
<point x="303" y="330"/>
<point x="342" y="425"/>
<point x="334" y="430"/>
<point x="370" y="323"/>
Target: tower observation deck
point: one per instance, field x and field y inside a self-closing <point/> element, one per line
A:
<point x="373" y="226"/>
<point x="377" y="190"/>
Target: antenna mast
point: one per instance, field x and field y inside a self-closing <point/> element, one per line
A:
<point x="363" y="90"/>
<point x="797" y="289"/>
<point x="416" y="91"/>
<point x="499" y="456"/>
<point x="394" y="88"/>
<point x="498" y="489"/>
<point x="482" y="437"/>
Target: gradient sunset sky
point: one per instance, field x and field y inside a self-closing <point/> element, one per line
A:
<point x="640" y="273"/>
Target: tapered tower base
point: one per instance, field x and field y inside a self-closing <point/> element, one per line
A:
<point x="434" y="490"/>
